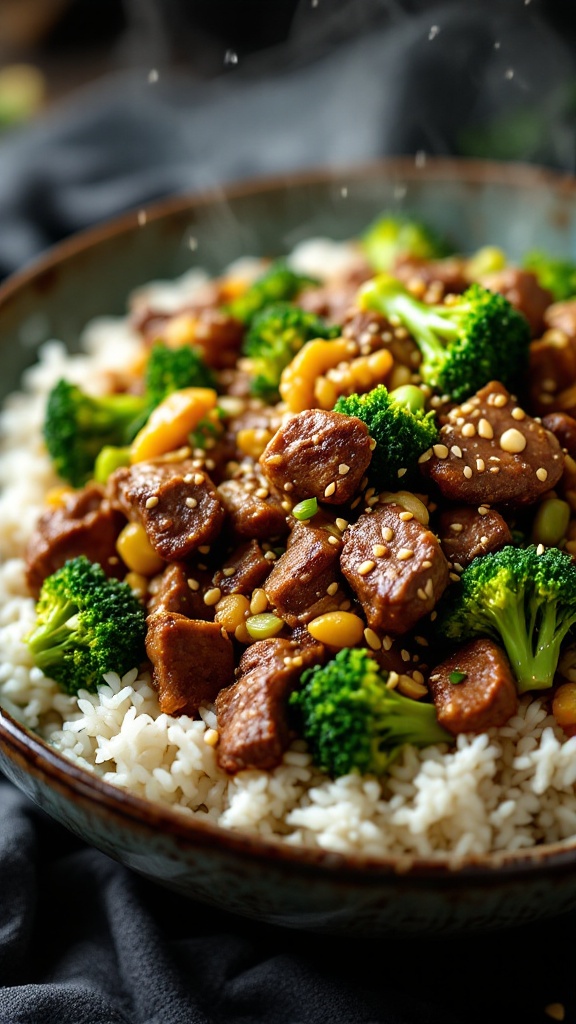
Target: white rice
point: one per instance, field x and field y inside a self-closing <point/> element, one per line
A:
<point x="507" y="790"/>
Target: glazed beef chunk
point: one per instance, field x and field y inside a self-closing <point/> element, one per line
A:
<point x="465" y="533"/>
<point x="191" y="660"/>
<point x="250" y="515"/>
<point x="395" y="566"/>
<point x="306" y="580"/>
<point x="523" y="291"/>
<point x="85" y="524"/>
<point x="474" y="689"/>
<point x="243" y="570"/>
<point x="178" y="590"/>
<point x="492" y="453"/>
<point x="176" y="503"/>
<point x="318" y="454"/>
<point x="252" y="712"/>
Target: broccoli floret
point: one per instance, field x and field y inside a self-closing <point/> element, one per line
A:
<point x="86" y="625"/>
<point x="352" y="722"/>
<point x="77" y="426"/>
<point x="556" y="275"/>
<point x="392" y="236"/>
<point x="465" y="344"/>
<point x="401" y="434"/>
<point x="278" y="284"/>
<point x="171" y="369"/>
<point x="525" y="600"/>
<point x="274" y="337"/>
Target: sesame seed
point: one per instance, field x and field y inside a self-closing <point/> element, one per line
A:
<point x="229" y="570"/>
<point x="387" y="533"/>
<point x="519" y="414"/>
<point x="378" y="550"/>
<point x="404" y="554"/>
<point x="468" y="430"/>
<point x="466" y="408"/>
<point x="421" y="594"/>
<point x="356" y="502"/>
<point x="288" y="486"/>
<point x="483" y="510"/>
<point x="494" y="469"/>
<point x="392" y="681"/>
<point x="387" y="642"/>
<point x="484" y="540"/>
<point x="370" y="492"/>
<point x="372" y="639"/>
<point x="204" y="549"/>
<point x="372" y="444"/>
<point x="456" y="527"/>
<point x="480" y="466"/>
<point x="344" y="606"/>
<point x="512" y="441"/>
<point x="433" y="615"/>
<point x="152" y="501"/>
<point x="286" y="506"/>
<point x="404" y="654"/>
<point x="542" y="474"/>
<point x="426" y="455"/>
<point x="540" y="549"/>
<point x="365" y="567"/>
<point x="406" y="516"/>
<point x="193" y="584"/>
<point x="343" y="469"/>
<point x="456" y="451"/>
<point x="454" y="576"/>
<point x="341" y="524"/>
<point x="210" y="464"/>
<point x="212" y="596"/>
<point x="270" y="556"/>
<point x="332" y="589"/>
<point x="188" y="478"/>
<point x="329" y="490"/>
<point x="191" y="502"/>
<point x="485" y="429"/>
<point x="401" y="472"/>
<point x="261" y="492"/>
<point x="429" y="588"/>
<point x="316" y="439"/>
<point x="440" y="451"/>
<point x="421" y="641"/>
<point x="426" y="564"/>
<point x="467" y="472"/>
<point x="211" y="737"/>
<point x="499" y="400"/>
<point x="332" y="540"/>
<point x="198" y="478"/>
<point x="458" y="567"/>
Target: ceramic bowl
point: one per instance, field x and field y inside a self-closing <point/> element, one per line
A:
<point x="514" y="206"/>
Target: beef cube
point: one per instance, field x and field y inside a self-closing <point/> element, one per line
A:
<point x="192" y="661"/>
<point x="465" y="533"/>
<point x="395" y="566"/>
<point x="245" y="569"/>
<point x="299" y="583"/>
<point x="179" y="589"/>
<point x="474" y="689"/>
<point x="319" y="454"/>
<point x="250" y="516"/>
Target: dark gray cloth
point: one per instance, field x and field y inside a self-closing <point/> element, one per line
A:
<point x="83" y="940"/>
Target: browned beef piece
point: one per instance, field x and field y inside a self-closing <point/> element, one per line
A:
<point x="298" y="585"/>
<point x="395" y="567"/>
<point x="491" y="452"/>
<point x="319" y="454"/>
<point x="250" y="569"/>
<point x="564" y="428"/>
<point x="191" y="659"/>
<point x="562" y="317"/>
<point x="250" y="516"/>
<point x="215" y="333"/>
<point x="464" y="533"/>
<point x="173" y="592"/>
<point x="252" y="712"/>
<point x="552" y="372"/>
<point x="177" y="505"/>
<point x="449" y="273"/>
<point x="523" y="291"/>
<point x="372" y="332"/>
<point x="484" y="699"/>
<point x="334" y="300"/>
<point x="86" y="524"/>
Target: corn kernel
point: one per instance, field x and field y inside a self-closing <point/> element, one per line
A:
<point x="337" y="629"/>
<point x="136" y="551"/>
<point x="231" y="611"/>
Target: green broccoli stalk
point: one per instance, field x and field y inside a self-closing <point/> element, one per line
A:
<point x="279" y="283"/>
<point x="465" y="344"/>
<point x="352" y="722"/>
<point x="171" y="369"/>
<point x="519" y="597"/>
<point x="86" y="625"/>
<point x="393" y="236"/>
<point x="556" y="275"/>
<point x="401" y="433"/>
<point x="77" y="426"/>
<point x="274" y="337"/>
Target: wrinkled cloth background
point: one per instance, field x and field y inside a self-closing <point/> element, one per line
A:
<point x="83" y="940"/>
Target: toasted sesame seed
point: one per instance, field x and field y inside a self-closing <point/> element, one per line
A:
<point x="341" y="524"/>
<point x="189" y="478"/>
<point x="456" y="527"/>
<point x="440" y="451"/>
<point x="542" y="474"/>
<point x="519" y="414"/>
<point x="372" y="444"/>
<point x="316" y="439"/>
<point x="191" y="502"/>
<point x="429" y="588"/>
<point x="406" y="516"/>
<point x="210" y="464"/>
<point x="365" y="567"/>
<point x="343" y="469"/>
<point x="332" y="540"/>
<point x="480" y="465"/>
<point x="199" y="478"/>
<point x="270" y="556"/>
<point x="458" y="567"/>
<point x="392" y="681"/>
<point x="499" y="400"/>
<point x="356" y="502"/>
<point x="485" y="429"/>
<point x="229" y="570"/>
<point x="204" y="549"/>
<point x="468" y="430"/>
<point x="378" y="550"/>
<point x="152" y="501"/>
<point x="211" y="737"/>
<point x="193" y="584"/>
<point x="372" y="639"/>
<point x="286" y="506"/>
<point x="387" y="533"/>
<point x="288" y="486"/>
<point x="332" y="589"/>
<point x="261" y="492"/>
<point x="404" y="654"/>
<point x="494" y="469"/>
<point x="512" y="441"/>
<point x="540" y="549"/>
<point x="421" y="594"/>
<point x="426" y="564"/>
<point x="329" y="490"/>
<point x="467" y="472"/>
<point x="212" y="596"/>
<point x="404" y="554"/>
<point x="402" y="472"/>
<point x="425" y="455"/>
<point x="344" y="606"/>
<point x="421" y="641"/>
<point x="484" y="539"/>
<point x="387" y="642"/>
<point x="456" y="451"/>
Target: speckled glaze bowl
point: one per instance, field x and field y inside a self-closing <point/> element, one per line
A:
<point x="514" y="206"/>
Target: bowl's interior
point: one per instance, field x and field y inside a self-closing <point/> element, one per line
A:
<point x="474" y="204"/>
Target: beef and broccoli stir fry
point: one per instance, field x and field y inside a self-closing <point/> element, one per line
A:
<point x="339" y="509"/>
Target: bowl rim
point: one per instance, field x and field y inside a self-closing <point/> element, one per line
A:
<point x="39" y="760"/>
